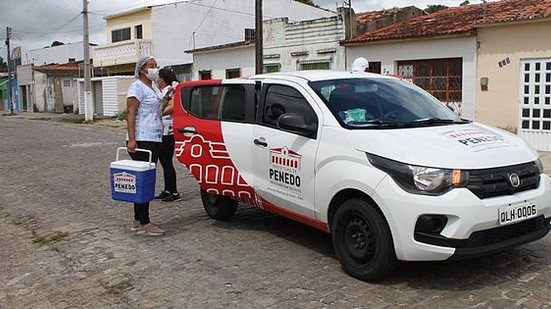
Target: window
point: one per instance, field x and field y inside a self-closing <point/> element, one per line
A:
<point x="272" y="67"/>
<point x="219" y="102"/>
<point x="205" y="75"/>
<point x="250" y="34"/>
<point x="284" y="99"/>
<point x="120" y="35"/>
<point x="374" y="67"/>
<point x="362" y="103"/>
<point x="66" y="83"/>
<point x="440" y="77"/>
<point x="314" y="65"/>
<point x="138" y="32"/>
<point x="233" y="73"/>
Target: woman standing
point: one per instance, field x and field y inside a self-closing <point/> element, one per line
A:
<point x="144" y="130"/>
<point x="166" y="79"/>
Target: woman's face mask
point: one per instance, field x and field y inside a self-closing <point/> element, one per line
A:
<point x="152" y="74"/>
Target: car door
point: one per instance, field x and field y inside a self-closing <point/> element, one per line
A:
<point x="213" y="122"/>
<point x="284" y="159"/>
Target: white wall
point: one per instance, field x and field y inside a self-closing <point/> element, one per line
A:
<point x="57" y="54"/>
<point x="185" y="26"/>
<point x="319" y="38"/>
<point x="390" y="53"/>
<point x="68" y="91"/>
<point x="114" y="89"/>
<point x="44" y="92"/>
<point x="218" y="62"/>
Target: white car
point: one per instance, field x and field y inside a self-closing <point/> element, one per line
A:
<point x="376" y="161"/>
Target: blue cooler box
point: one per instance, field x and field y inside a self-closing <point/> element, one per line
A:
<point x="133" y="181"/>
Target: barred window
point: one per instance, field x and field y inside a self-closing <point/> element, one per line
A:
<point x="440" y="77"/>
<point x="314" y="65"/>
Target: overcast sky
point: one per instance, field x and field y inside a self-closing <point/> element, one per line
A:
<point x="37" y="23"/>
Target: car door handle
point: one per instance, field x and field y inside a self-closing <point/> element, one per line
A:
<point x="260" y="142"/>
<point x="187" y="130"/>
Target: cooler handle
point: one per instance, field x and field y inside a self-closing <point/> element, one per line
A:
<point x="137" y="149"/>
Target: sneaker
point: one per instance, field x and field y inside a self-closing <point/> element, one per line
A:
<point x="162" y="195"/>
<point x="173" y="197"/>
<point x="150" y="229"/>
<point x="135" y="226"/>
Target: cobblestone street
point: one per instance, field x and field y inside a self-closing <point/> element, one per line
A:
<point x="65" y="243"/>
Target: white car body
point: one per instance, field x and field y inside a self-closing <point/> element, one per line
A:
<point x="254" y="162"/>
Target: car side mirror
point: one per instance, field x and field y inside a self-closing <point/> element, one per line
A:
<point x="296" y="122"/>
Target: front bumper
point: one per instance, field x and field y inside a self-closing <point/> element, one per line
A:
<point x="492" y="240"/>
<point x="472" y="227"/>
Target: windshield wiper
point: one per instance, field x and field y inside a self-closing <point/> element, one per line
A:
<point x="436" y="121"/>
<point x="379" y="122"/>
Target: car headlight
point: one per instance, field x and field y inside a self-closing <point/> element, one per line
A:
<point x="420" y="179"/>
<point x="539" y="165"/>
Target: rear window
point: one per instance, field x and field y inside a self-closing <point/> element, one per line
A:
<point x="218" y="102"/>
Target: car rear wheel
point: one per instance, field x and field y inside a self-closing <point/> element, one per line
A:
<point x="362" y="241"/>
<point x="217" y="206"/>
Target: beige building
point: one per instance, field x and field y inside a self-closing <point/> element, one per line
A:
<point x="129" y="36"/>
<point x="514" y="78"/>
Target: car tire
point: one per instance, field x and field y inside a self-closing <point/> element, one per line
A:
<point x="217" y="206"/>
<point x="362" y="241"/>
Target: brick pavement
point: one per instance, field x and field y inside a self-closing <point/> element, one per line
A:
<point x="54" y="178"/>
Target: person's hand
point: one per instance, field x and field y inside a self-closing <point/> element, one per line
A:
<point x="131" y="146"/>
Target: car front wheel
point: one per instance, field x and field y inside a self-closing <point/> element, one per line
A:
<point x="362" y="241"/>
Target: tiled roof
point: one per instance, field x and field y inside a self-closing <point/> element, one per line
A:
<point x="364" y="17"/>
<point x="223" y="46"/>
<point x="459" y="20"/>
<point x="72" y="66"/>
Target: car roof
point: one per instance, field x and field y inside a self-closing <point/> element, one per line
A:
<point x="319" y="75"/>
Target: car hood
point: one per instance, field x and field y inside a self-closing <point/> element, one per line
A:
<point x="462" y="146"/>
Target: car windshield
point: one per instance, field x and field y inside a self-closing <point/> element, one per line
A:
<point x="382" y="103"/>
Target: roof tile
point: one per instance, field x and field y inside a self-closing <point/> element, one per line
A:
<point x="459" y="20"/>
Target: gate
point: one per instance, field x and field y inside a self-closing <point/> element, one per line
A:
<point x="534" y="102"/>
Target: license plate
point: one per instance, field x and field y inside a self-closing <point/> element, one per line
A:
<point x="517" y="212"/>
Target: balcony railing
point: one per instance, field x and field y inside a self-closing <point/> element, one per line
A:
<point x="121" y="52"/>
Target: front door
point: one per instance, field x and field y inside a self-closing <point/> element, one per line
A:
<point x="284" y="161"/>
<point x="213" y="128"/>
<point x="535" y="103"/>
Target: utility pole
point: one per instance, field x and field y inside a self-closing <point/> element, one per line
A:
<point x="10" y="96"/>
<point x="88" y="108"/>
<point x="258" y="38"/>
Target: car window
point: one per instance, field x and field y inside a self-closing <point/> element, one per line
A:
<point x="284" y="99"/>
<point x="219" y="102"/>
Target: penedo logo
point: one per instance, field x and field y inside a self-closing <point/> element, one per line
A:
<point x="124" y="182"/>
<point x="285" y="165"/>
<point x="476" y="139"/>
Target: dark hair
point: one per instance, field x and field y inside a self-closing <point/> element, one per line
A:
<point x="168" y="75"/>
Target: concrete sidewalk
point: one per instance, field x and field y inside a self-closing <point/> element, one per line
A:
<point x="69" y="118"/>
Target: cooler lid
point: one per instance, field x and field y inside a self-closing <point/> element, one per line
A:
<point x="132" y="165"/>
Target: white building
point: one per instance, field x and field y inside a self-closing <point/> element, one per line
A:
<point x="70" y="52"/>
<point x="295" y="45"/>
<point x="166" y="31"/>
<point x="196" y="24"/>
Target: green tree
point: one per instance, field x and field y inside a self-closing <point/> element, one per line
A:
<point x="309" y="2"/>
<point x="464" y="3"/>
<point x="435" y="8"/>
<point x="3" y="65"/>
<point x="57" y="43"/>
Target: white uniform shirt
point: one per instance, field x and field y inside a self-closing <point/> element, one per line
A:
<point x="148" y="118"/>
<point x="167" y="119"/>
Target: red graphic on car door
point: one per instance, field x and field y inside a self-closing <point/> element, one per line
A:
<point x="200" y="146"/>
